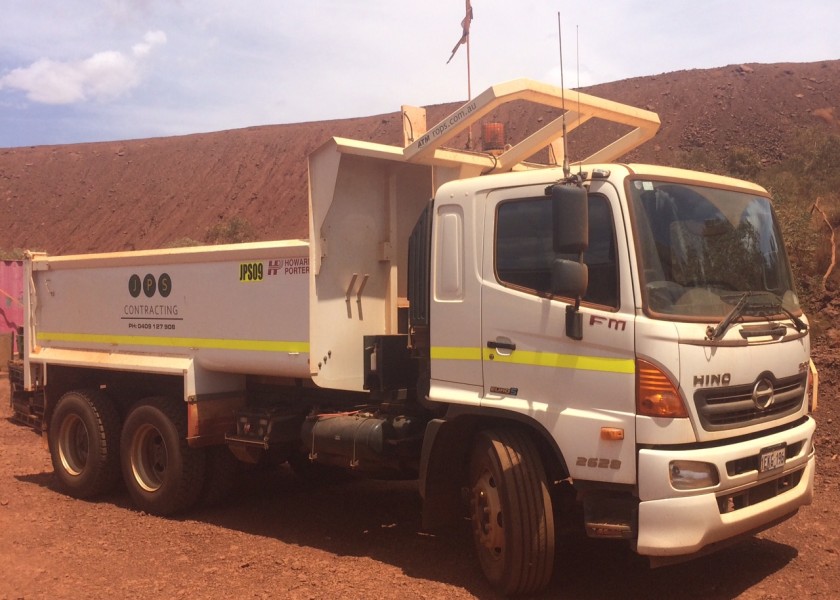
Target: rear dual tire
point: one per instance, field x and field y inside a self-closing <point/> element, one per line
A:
<point x="162" y="473"/>
<point x="83" y="441"/>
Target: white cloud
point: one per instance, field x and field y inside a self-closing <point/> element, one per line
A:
<point x="103" y="76"/>
<point x="47" y="81"/>
<point x="229" y="65"/>
<point x="151" y="39"/>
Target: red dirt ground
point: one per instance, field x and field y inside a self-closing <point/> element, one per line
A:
<point x="362" y="539"/>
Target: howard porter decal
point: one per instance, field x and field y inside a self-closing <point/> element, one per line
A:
<point x="289" y="266"/>
<point x="257" y="271"/>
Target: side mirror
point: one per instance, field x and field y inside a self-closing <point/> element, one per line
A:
<point x="569" y="278"/>
<point x="570" y="235"/>
<point x="570" y="219"/>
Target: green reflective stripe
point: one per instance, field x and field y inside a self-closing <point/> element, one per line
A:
<point x="455" y="353"/>
<point x="539" y="359"/>
<point x="175" y="342"/>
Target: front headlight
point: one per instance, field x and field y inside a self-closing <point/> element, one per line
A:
<point x="693" y="475"/>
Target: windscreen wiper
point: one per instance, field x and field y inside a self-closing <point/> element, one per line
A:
<point x="713" y="333"/>
<point x="798" y="323"/>
<point x="776" y="305"/>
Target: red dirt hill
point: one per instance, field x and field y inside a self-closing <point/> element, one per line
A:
<point x="150" y="192"/>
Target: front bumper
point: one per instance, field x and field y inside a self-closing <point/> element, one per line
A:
<point x="676" y="523"/>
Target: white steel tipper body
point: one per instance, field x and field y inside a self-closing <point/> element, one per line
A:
<point x="193" y="303"/>
<point x="622" y="334"/>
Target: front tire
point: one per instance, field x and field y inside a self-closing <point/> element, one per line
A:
<point x="162" y="473"/>
<point x="511" y="512"/>
<point x="84" y="443"/>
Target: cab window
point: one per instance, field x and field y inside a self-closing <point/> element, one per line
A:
<point x="524" y="253"/>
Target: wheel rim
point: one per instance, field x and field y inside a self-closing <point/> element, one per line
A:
<point x="488" y="522"/>
<point x="148" y="458"/>
<point x="73" y="445"/>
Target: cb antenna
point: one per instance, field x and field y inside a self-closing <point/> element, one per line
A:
<point x="567" y="172"/>
<point x="577" y="90"/>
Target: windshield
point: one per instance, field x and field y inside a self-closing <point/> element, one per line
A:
<point x="703" y="248"/>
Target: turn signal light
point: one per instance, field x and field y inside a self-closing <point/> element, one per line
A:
<point x="612" y="434"/>
<point x="656" y="395"/>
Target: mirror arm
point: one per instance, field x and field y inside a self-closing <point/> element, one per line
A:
<point x="574" y="318"/>
<point x="574" y="321"/>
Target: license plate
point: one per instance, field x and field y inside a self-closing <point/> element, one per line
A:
<point x="771" y="459"/>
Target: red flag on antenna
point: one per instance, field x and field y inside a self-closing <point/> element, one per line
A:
<point x="465" y="27"/>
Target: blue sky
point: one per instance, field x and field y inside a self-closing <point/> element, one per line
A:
<point x="96" y="70"/>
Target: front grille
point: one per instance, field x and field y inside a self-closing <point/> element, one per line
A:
<point x="730" y="407"/>
<point x="750" y="463"/>
<point x="765" y="491"/>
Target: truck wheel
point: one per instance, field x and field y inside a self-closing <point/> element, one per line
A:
<point x="83" y="439"/>
<point x="511" y="513"/>
<point x="162" y="473"/>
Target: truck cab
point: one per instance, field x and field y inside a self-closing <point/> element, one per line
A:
<point x="680" y="409"/>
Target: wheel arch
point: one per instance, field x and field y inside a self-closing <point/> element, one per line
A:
<point x="446" y="450"/>
<point x="123" y="388"/>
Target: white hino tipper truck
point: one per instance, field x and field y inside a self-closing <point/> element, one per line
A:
<point x="511" y="334"/>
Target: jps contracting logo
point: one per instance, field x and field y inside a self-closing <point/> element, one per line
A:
<point x="149" y="285"/>
<point x="150" y="315"/>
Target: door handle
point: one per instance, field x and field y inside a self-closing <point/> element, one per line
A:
<point x="501" y="346"/>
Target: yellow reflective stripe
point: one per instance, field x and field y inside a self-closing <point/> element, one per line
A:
<point x="566" y="361"/>
<point x="539" y="359"/>
<point x="176" y="342"/>
<point x="455" y="353"/>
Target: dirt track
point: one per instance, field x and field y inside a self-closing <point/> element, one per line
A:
<point x="359" y="540"/>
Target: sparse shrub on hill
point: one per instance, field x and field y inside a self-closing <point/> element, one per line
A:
<point x="233" y="231"/>
<point x="697" y="159"/>
<point x="793" y="209"/>
<point x="744" y="163"/>
<point x="16" y="254"/>
<point x="810" y="173"/>
<point x="182" y="242"/>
